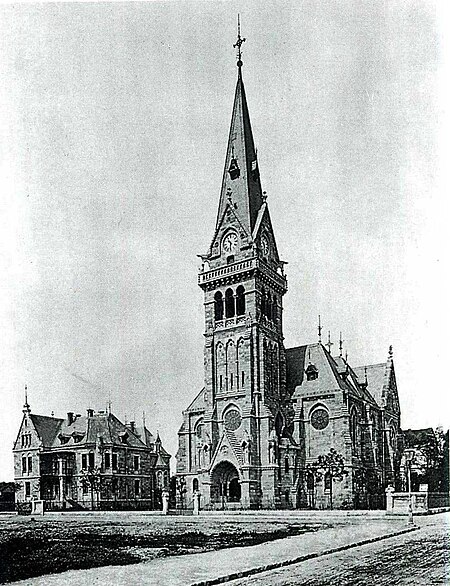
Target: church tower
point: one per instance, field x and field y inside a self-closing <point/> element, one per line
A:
<point x="267" y="423"/>
<point x="234" y="428"/>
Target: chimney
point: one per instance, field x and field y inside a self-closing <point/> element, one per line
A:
<point x="70" y="418"/>
<point x="133" y="426"/>
<point x="90" y="413"/>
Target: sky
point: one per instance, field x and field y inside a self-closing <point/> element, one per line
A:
<point x="114" y="120"/>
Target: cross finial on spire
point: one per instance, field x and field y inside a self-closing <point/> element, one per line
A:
<point x="319" y="329"/>
<point x="238" y="44"/>
<point x="341" y="342"/>
<point x="391" y="352"/>
<point x="329" y="343"/>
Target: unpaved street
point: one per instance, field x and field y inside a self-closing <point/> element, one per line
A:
<point x="420" y="558"/>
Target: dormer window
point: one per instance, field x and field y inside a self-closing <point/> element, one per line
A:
<point x="77" y="436"/>
<point x="234" y="170"/>
<point x="123" y="437"/>
<point x="311" y="372"/>
<point x="63" y="438"/>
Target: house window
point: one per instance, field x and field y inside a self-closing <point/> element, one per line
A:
<point x="221" y="382"/>
<point x="243" y="379"/>
<point x="30" y="464"/>
<point x="85" y="487"/>
<point x="27" y="489"/>
<point x="195" y="484"/>
<point x="137" y="487"/>
<point x="310" y="482"/>
<point x="114" y="461"/>
<point x="91" y="460"/>
<point x="286" y="465"/>
<point x="136" y="463"/>
<point x="24" y="464"/>
<point x="107" y="460"/>
<point x="83" y="461"/>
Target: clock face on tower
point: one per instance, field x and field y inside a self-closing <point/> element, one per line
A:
<point x="265" y="245"/>
<point x="230" y="242"/>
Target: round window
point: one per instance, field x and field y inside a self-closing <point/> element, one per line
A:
<point x="320" y="418"/>
<point x="232" y="419"/>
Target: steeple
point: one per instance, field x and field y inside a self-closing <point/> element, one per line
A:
<point x="241" y="184"/>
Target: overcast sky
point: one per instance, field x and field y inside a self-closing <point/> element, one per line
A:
<point x="114" y="121"/>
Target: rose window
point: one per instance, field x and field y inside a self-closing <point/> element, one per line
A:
<point x="320" y="418"/>
<point x="232" y="419"/>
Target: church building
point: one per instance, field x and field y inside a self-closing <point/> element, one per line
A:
<point x="275" y="427"/>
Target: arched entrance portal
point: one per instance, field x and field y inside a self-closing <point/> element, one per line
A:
<point x="225" y="485"/>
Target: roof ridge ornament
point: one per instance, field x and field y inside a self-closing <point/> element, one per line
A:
<point x="238" y="44"/>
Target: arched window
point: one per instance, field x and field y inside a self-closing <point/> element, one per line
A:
<point x="229" y="303"/>
<point x="195" y="484"/>
<point x="240" y="300"/>
<point x="269" y="306"/>
<point x="263" y="302"/>
<point x="218" y="306"/>
<point x="310" y="482"/>
<point x="279" y="423"/>
<point x="274" y="309"/>
<point x="327" y="482"/>
<point x="354" y="428"/>
<point x="286" y="465"/>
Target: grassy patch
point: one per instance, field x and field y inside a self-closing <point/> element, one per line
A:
<point x="33" y="548"/>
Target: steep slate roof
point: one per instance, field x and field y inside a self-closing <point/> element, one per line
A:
<point x="246" y="189"/>
<point x="297" y="360"/>
<point x="377" y="378"/>
<point x="46" y="427"/>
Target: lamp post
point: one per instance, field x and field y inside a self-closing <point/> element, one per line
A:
<point x="409" y="457"/>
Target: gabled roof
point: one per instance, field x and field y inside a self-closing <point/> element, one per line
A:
<point x="246" y="187"/>
<point x="297" y="361"/>
<point x="376" y="380"/>
<point x="46" y="427"/>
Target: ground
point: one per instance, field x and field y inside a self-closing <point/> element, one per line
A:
<point x="328" y="548"/>
<point x="37" y="546"/>
<point x="421" y="558"/>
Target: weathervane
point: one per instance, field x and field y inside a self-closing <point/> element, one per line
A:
<point x="238" y="44"/>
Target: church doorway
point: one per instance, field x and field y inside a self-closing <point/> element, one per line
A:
<point x="225" y="485"/>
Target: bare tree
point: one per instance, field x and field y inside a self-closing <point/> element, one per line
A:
<point x="331" y="466"/>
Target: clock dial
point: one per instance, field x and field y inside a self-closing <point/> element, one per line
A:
<point x="265" y="246"/>
<point x="229" y="243"/>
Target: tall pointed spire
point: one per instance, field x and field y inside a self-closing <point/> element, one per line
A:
<point x="241" y="174"/>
